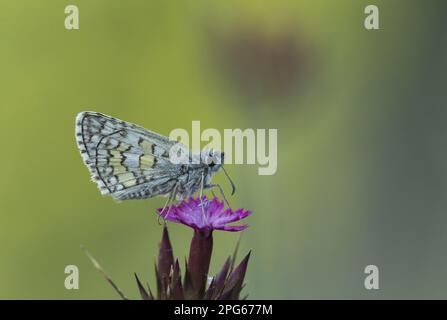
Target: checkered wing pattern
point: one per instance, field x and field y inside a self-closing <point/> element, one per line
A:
<point x="125" y="160"/>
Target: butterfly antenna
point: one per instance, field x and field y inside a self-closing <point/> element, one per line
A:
<point x="222" y="194"/>
<point x="233" y="187"/>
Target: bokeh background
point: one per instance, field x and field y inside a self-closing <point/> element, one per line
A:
<point x="360" y="114"/>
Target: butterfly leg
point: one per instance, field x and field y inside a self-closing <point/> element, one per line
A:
<point x="174" y="195"/>
<point x="161" y="215"/>
<point x="201" y="197"/>
<point x="171" y="197"/>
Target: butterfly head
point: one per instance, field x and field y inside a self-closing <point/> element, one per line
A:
<point x="213" y="159"/>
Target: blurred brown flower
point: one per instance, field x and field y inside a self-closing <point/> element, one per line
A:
<point x="260" y="66"/>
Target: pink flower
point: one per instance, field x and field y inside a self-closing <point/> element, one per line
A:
<point x="213" y="215"/>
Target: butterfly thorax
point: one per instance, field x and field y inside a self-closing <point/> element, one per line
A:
<point x="191" y="181"/>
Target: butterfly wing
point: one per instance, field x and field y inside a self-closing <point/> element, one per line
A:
<point x="125" y="160"/>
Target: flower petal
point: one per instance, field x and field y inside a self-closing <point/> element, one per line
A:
<point x="232" y="216"/>
<point x="204" y="214"/>
<point x="232" y="228"/>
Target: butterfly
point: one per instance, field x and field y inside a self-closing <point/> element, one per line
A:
<point x="130" y="162"/>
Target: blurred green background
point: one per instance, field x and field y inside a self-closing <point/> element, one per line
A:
<point x="361" y="140"/>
